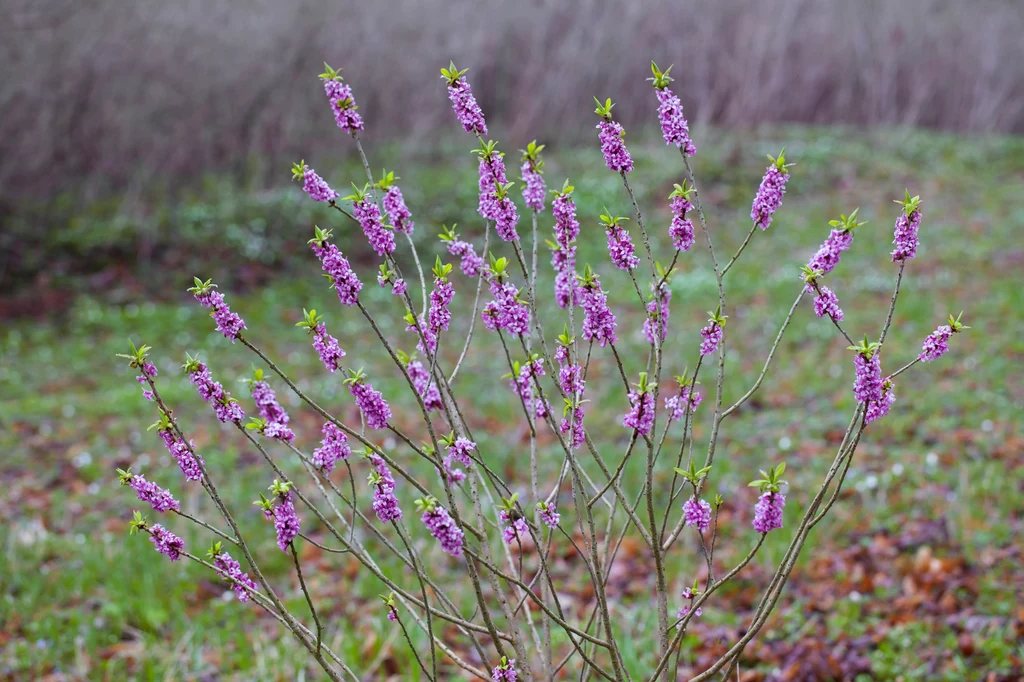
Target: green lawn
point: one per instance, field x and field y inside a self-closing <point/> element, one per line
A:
<point x="918" y="552"/>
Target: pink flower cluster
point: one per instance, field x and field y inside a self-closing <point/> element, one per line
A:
<point x="674" y="127"/>
<point x="316" y="187"/>
<point x="372" y="404"/>
<point x="827" y="303"/>
<point x="514" y="530"/>
<point x="224" y="406"/>
<point x="523" y="385"/>
<point x="442" y="526"/>
<point x="466" y="109"/>
<point x="712" y="335"/>
<point x="616" y="156"/>
<point x="458" y="452"/>
<point x="697" y="513"/>
<point x="228" y="323"/>
<point x="148" y="370"/>
<point x="826" y="258"/>
<point x="867" y="385"/>
<point x="598" y="320"/>
<point x="563" y="257"/>
<point x="657" y="315"/>
<point x="343" y="105"/>
<point x="549" y="515"/>
<point x="501" y="210"/>
<point x="271" y="411"/>
<point x="936" y="344"/>
<point x="385" y="504"/>
<point x="328" y="348"/>
<point x="470" y="263"/>
<point x="506" y="311"/>
<point x="641" y="413"/>
<point x="681" y="228"/>
<point x="286" y="521"/>
<point x="439" y="316"/>
<point x="769" y="196"/>
<point x="676" y="404"/>
<point x="905" y="236"/>
<point x="341" y="274"/>
<point x="398" y="212"/>
<point x="879" y="408"/>
<point x="426" y="388"/>
<point x="191" y="464"/>
<point x="333" y="446"/>
<point x="620" y="247"/>
<point x="232" y="570"/>
<point x="166" y="542"/>
<point x="398" y="285"/>
<point x="505" y="672"/>
<point x="533" y="192"/>
<point x="768" y="512"/>
<point x="380" y="237"/>
<point x="150" y="492"/>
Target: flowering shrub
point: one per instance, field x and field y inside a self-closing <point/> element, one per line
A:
<point x="467" y="510"/>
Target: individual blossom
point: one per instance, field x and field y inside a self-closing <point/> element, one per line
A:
<point x="367" y="214"/>
<point x="598" y="320"/>
<point x="148" y="372"/>
<point x="674" y="127"/>
<point x="620" y="244"/>
<point x="827" y="303"/>
<point x="770" y="193"/>
<point x="641" y="412"/>
<point x="389" y="605"/>
<point x="388" y="277"/>
<point x="336" y="268"/>
<point x="333" y="446"/>
<point x="768" y="510"/>
<point x="312" y="184"/>
<point x="371" y="403"/>
<point x="867" y="385"/>
<point x="689" y="594"/>
<point x="394" y="203"/>
<point x="161" y="500"/>
<point x="505" y="671"/>
<point x="533" y="178"/>
<point x="713" y="332"/>
<point x="324" y="344"/>
<point x="224" y="406"/>
<point x="612" y="137"/>
<point x="470" y="263"/>
<point x="385" y="504"/>
<point x="344" y="106"/>
<point x="826" y="258"/>
<point x="937" y="343"/>
<point x="439" y="316"/>
<point x="463" y="102"/>
<point x="697" y="512"/>
<point x="270" y="410"/>
<point x="228" y="323"/>
<point x="441" y="525"/>
<point x="425" y="386"/>
<point x="681" y="228"/>
<point x="232" y="571"/>
<point x="548" y="514"/>
<point x="905" y="232"/>
<point x="880" y="408"/>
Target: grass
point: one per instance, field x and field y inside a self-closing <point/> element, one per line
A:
<point x="85" y="601"/>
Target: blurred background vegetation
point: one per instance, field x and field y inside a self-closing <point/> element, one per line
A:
<point x="143" y="143"/>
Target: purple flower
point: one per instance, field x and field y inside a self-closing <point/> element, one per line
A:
<point x="515" y="530"/>
<point x="566" y="292"/>
<point x="674" y="127"/>
<point x="231" y="570"/>
<point x="616" y="156"/>
<point x="166" y="542"/>
<point x="505" y="671"/>
<point x="380" y="237"/>
<point x="681" y="229"/>
<point x="880" y="408"/>
<point x="426" y="388"/>
<point x="338" y="270"/>
<point x="439" y="316"/>
<point x="443" y="528"/>
<point x="228" y="323"/>
<point x="570" y="378"/>
<point x="768" y="511"/>
<point x="505" y="219"/>
<point x="392" y="616"/>
<point x="567" y="227"/>
<point x="342" y="103"/>
<point x="905" y="232"/>
<point x="385" y="504"/>
<point x="576" y="426"/>
<point x="712" y="335"/>
<point x="328" y="348"/>
<point x="491" y="171"/>
<point x="286" y="521"/>
<point x="316" y="187"/>
<point x="549" y="514"/>
<point x="826" y="258"/>
<point x="827" y="303"/>
<point x="620" y="246"/>
<point x="333" y="446"/>
<point x="533" y="192"/>
<point x="657" y="319"/>
<point x="506" y="311"/>
<point x="224" y="406"/>
<point x="465" y="106"/>
<point x="770" y="193"/>
<point x="697" y="513"/>
<point x="372" y="404"/>
<point x="160" y="499"/>
<point x="867" y="386"/>
<point x="598" y="320"/>
<point x="271" y="411"/>
<point x="398" y="212"/>
<point x="470" y="263"/>
<point x="460" y="451"/>
<point x="191" y="464"/>
<point x="676" y="404"/>
<point x="936" y="344"/>
<point x="641" y="413"/>
<point x="423" y="332"/>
